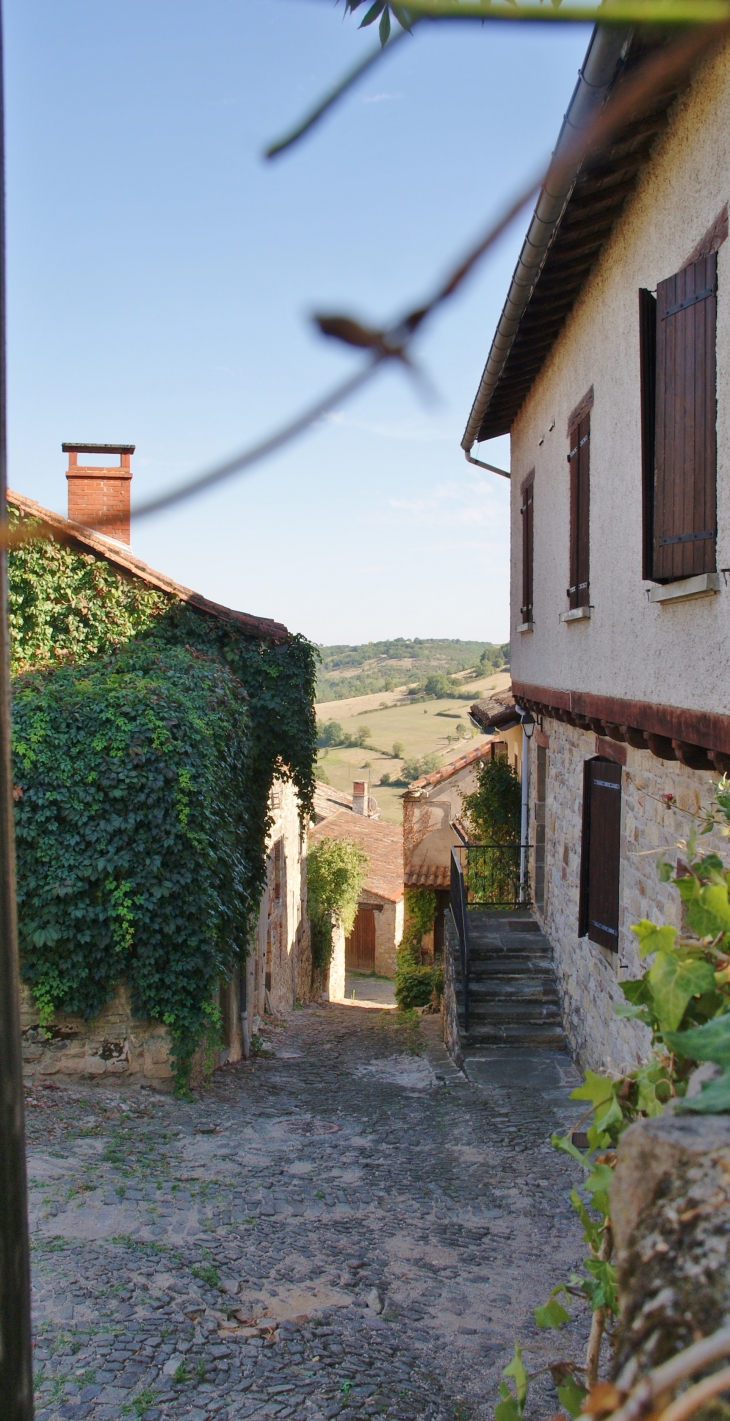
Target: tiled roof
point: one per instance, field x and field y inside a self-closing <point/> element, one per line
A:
<point x="496" y="712"/>
<point x="383" y="844"/>
<point x="445" y="772"/>
<point x="428" y="876"/>
<point x="118" y="556"/>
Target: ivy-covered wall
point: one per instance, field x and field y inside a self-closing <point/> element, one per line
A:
<point x="146" y="738"/>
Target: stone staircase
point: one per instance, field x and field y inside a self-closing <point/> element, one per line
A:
<point x="513" y="992"/>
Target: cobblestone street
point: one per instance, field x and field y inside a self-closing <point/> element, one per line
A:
<point x="350" y="1226"/>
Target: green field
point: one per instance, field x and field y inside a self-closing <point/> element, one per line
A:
<point x="348" y="671"/>
<point x="422" y="728"/>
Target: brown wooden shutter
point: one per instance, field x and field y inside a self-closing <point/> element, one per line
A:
<point x="579" y="462"/>
<point x="601" y="853"/>
<point x="527" y="513"/>
<point x="647" y="364"/>
<point x="684" y="511"/>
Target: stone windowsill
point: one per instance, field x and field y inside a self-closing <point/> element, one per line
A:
<point x="526" y="627"/>
<point x="576" y="614"/>
<point x="706" y="584"/>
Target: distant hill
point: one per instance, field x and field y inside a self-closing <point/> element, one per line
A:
<point x="383" y="665"/>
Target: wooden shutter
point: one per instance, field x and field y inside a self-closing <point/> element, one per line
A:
<point x="579" y="462"/>
<point x="527" y="512"/>
<point x="684" y="512"/>
<point x="647" y="364"/>
<point x="601" y="852"/>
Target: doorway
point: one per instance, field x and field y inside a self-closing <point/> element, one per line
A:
<point x="360" y="945"/>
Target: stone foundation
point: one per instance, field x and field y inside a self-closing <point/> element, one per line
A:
<point x="670" y="1209"/>
<point x="589" y="975"/>
<point x="115" y="1043"/>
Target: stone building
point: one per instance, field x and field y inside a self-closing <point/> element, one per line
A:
<point x="277" y="969"/>
<point x="609" y="369"/>
<point x="378" y="927"/>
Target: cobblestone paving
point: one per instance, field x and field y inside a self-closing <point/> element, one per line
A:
<point x="351" y="1227"/>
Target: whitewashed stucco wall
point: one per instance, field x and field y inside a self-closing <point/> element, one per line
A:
<point x="675" y="654"/>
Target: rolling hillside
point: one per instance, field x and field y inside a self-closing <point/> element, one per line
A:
<point x="349" y="671"/>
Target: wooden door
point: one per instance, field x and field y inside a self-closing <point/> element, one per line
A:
<point x="360" y="945"/>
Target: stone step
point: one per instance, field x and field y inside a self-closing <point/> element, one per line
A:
<point x="550" y="1037"/>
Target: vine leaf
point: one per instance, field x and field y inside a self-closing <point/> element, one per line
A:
<point x="674" y="981"/>
<point x="653" y="939"/>
<point x="551" y="1314"/>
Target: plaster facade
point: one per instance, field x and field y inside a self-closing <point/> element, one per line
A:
<point x="660" y="802"/>
<point x="673" y="652"/>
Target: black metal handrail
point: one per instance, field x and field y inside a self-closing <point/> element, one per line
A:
<point x="458" y="912"/>
<point x="489" y="876"/>
<point x="495" y="875"/>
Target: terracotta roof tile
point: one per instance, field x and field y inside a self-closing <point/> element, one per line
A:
<point x="118" y="556"/>
<point x="383" y="844"/>
<point x="428" y="876"/>
<point x="453" y="767"/>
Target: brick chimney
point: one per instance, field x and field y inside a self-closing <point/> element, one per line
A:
<point x="99" y="497"/>
<point x="361" y="797"/>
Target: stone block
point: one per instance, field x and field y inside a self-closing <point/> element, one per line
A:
<point x="670" y="1206"/>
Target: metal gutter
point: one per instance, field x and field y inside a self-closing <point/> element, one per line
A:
<point x="606" y="51"/>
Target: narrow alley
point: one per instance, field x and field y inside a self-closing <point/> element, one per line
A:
<point x="346" y="1225"/>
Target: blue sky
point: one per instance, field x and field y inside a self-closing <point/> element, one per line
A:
<point x="161" y="278"/>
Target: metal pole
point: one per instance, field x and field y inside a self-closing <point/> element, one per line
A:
<point x="16" y="1373"/>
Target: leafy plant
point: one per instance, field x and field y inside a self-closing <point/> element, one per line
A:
<point x="134" y="716"/>
<point x="416" y="983"/>
<point x="493" y="810"/>
<point x="336" y="872"/>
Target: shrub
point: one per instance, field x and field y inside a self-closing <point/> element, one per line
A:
<point x="385" y="779"/>
<point x="336" y="871"/>
<point x="416" y="984"/>
<point x="414" y="769"/>
<point x="493" y="811"/>
<point x="398" y="750"/>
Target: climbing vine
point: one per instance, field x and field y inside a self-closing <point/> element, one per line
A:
<point x="416" y="982"/>
<point x="336" y="872"/>
<point x="146" y="738"/>
<point x="683" y="997"/>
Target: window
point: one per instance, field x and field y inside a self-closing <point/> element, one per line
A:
<point x="526" y="511"/>
<point x="579" y="462"/>
<point x="600" y="853"/>
<point x="678" y="406"/>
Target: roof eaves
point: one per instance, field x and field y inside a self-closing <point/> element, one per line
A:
<point x="74" y="535"/>
<point x="577" y="234"/>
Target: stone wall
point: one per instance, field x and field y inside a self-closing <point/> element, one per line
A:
<point x="116" y="1043"/>
<point x="279" y="968"/>
<point x="450" y="1009"/>
<point x="589" y="975"/>
<point x="670" y="1209"/>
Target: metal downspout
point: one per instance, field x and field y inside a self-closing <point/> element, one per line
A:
<point x="606" y="51"/>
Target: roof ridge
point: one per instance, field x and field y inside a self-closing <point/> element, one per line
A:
<point x="75" y="534"/>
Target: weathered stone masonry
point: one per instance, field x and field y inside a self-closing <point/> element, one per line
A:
<point x="589" y="975"/>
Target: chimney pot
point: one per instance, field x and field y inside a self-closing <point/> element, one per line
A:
<point x="361" y="797"/>
<point x="99" y="497"/>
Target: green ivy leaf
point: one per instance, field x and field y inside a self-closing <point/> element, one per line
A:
<point x="595" y="1088"/>
<point x="571" y="1396"/>
<point x="384" y="27"/>
<point x="516" y="1370"/>
<point x="674" y="981"/>
<point x="551" y="1314"/>
<point x="709" y="1042"/>
<point x="653" y="939"/>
